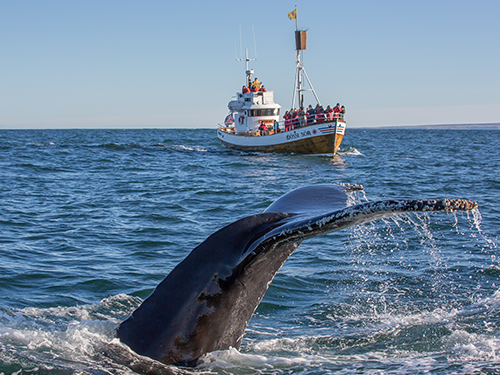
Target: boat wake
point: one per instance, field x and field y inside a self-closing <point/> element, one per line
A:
<point x="349" y="151"/>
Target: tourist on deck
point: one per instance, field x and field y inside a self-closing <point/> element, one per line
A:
<point x="262" y="89"/>
<point x="288" y="120"/>
<point x="329" y="113"/>
<point x="317" y="112"/>
<point x="295" y="119"/>
<point x="245" y="90"/>
<point x="310" y="114"/>
<point x="320" y="114"/>
<point x="337" y="110"/>
<point x="342" y="112"/>
<point x="257" y="84"/>
<point x="263" y="128"/>
<point x="302" y="117"/>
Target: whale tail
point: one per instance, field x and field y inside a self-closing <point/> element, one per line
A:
<point x="207" y="300"/>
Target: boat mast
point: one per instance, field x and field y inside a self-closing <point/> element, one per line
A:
<point x="300" y="45"/>
<point x="248" y="72"/>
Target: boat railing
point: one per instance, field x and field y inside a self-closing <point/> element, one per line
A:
<point x="305" y="121"/>
<point x="283" y="125"/>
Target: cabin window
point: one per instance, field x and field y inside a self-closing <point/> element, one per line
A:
<point x="264" y="112"/>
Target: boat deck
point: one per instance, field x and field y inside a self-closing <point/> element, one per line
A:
<point x="280" y="128"/>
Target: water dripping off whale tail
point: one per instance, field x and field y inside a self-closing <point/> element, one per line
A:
<point x="207" y="300"/>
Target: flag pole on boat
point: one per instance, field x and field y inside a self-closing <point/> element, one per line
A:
<point x="300" y="45"/>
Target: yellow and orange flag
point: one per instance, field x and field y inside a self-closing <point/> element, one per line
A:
<point x="293" y="14"/>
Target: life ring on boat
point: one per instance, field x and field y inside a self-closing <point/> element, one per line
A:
<point x="241" y="119"/>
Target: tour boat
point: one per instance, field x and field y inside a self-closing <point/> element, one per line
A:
<point x="253" y="123"/>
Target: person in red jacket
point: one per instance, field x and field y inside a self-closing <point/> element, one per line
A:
<point x="329" y="113"/>
<point x="244" y="90"/>
<point x="320" y="114"/>
<point x="286" y="117"/>
<point x="263" y="128"/>
<point x="337" y="111"/>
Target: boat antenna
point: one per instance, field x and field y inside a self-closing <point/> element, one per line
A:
<point x="246" y="59"/>
<point x="241" y="51"/>
<point x="300" y="45"/>
<point x="254" y="44"/>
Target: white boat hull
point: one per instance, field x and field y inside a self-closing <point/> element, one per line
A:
<point x="318" y="138"/>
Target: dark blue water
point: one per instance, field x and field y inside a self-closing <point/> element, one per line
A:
<point x="92" y="220"/>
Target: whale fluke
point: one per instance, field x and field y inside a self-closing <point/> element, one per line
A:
<point x="207" y="300"/>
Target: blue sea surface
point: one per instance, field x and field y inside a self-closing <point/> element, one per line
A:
<point x="92" y="220"/>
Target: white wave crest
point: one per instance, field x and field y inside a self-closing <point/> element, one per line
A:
<point x="349" y="151"/>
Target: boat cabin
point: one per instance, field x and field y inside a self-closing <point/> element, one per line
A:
<point x="253" y="109"/>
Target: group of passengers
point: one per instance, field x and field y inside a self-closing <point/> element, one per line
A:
<point x="298" y="117"/>
<point x="265" y="128"/>
<point x="254" y="86"/>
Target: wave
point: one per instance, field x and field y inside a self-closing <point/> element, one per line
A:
<point x="396" y="342"/>
<point x="187" y="148"/>
<point x="349" y="151"/>
<point x="64" y="338"/>
<point x="110" y="146"/>
<point x="71" y="340"/>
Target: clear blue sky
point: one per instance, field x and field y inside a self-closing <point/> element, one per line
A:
<point x="122" y="64"/>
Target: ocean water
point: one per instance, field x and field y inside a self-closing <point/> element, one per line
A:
<point x="92" y="220"/>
